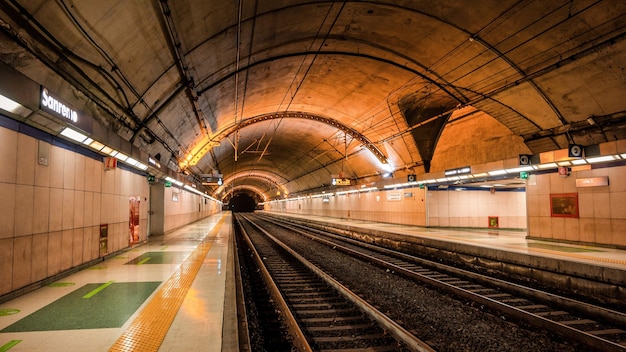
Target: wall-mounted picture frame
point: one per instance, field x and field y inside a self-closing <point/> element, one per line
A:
<point x="564" y="205"/>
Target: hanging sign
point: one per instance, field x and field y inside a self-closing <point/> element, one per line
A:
<point x="341" y="182"/>
<point x="458" y="171"/>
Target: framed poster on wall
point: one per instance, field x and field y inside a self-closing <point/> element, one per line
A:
<point x="564" y="205"/>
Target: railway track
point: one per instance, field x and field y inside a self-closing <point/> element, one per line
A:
<point x="322" y="314"/>
<point x="597" y="327"/>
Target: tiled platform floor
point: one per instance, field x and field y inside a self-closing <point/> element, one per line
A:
<point x="166" y="295"/>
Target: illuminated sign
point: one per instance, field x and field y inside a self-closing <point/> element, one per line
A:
<point x="341" y="182"/>
<point x="57" y="107"/>
<point x="51" y="104"/>
<point x="592" y="181"/>
<point x="459" y="171"/>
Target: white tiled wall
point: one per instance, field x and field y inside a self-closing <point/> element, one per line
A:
<point x="445" y="208"/>
<point x="50" y="215"/>
<point x="188" y="208"/>
<point x="370" y="206"/>
<point x="472" y="208"/>
<point x="602" y="210"/>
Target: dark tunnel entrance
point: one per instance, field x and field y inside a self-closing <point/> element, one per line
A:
<point x="242" y="203"/>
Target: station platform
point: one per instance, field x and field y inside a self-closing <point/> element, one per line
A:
<point x="512" y="241"/>
<point x="591" y="271"/>
<point x="165" y="295"/>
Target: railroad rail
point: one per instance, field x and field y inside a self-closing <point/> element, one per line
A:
<point x="321" y="313"/>
<point x="597" y="327"/>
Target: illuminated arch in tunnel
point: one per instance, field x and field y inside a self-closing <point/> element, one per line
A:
<point x="270" y="177"/>
<point x="208" y="143"/>
<point x="253" y="189"/>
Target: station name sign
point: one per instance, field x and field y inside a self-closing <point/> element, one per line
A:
<point x="459" y="171"/>
<point x="56" y="107"/>
<point x="51" y="104"/>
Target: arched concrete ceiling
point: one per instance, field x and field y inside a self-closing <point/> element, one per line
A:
<point x="190" y="79"/>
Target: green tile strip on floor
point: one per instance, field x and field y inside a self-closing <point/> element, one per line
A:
<point x="109" y="308"/>
<point x="8" y="311"/>
<point x="7" y="346"/>
<point x="100" y="288"/>
<point x="159" y="258"/>
<point x="144" y="260"/>
<point x="61" y="284"/>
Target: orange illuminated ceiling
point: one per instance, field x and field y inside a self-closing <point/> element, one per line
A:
<point x="305" y="90"/>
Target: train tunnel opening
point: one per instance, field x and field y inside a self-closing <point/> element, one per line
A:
<point x="242" y="203"/>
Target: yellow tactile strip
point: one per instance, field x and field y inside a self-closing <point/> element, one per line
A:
<point x="147" y="331"/>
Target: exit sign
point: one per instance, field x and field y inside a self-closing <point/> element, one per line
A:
<point x="523" y="175"/>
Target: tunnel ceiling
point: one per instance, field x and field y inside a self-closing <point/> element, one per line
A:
<point x="281" y="95"/>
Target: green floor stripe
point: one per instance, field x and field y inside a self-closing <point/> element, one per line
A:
<point x="61" y="284"/>
<point x="110" y="308"/>
<point x="7" y="346"/>
<point x="144" y="260"/>
<point x="100" y="288"/>
<point x="8" y="311"/>
<point x="159" y="257"/>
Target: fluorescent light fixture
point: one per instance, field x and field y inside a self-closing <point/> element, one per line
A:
<point x="121" y="156"/>
<point x="579" y="162"/>
<point x="106" y="149"/>
<point x="131" y="161"/>
<point x="497" y="172"/>
<point x="548" y="166"/>
<point x="113" y="152"/>
<point x="178" y="183"/>
<point x="143" y="167"/>
<point x="9" y="105"/>
<point x="73" y="135"/>
<point x="483" y="174"/>
<point x="88" y="141"/>
<point x="564" y="163"/>
<point x="96" y="145"/>
<point x="443" y="179"/>
<point x="519" y="169"/>
<point x="368" y="189"/>
<point x="601" y="159"/>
